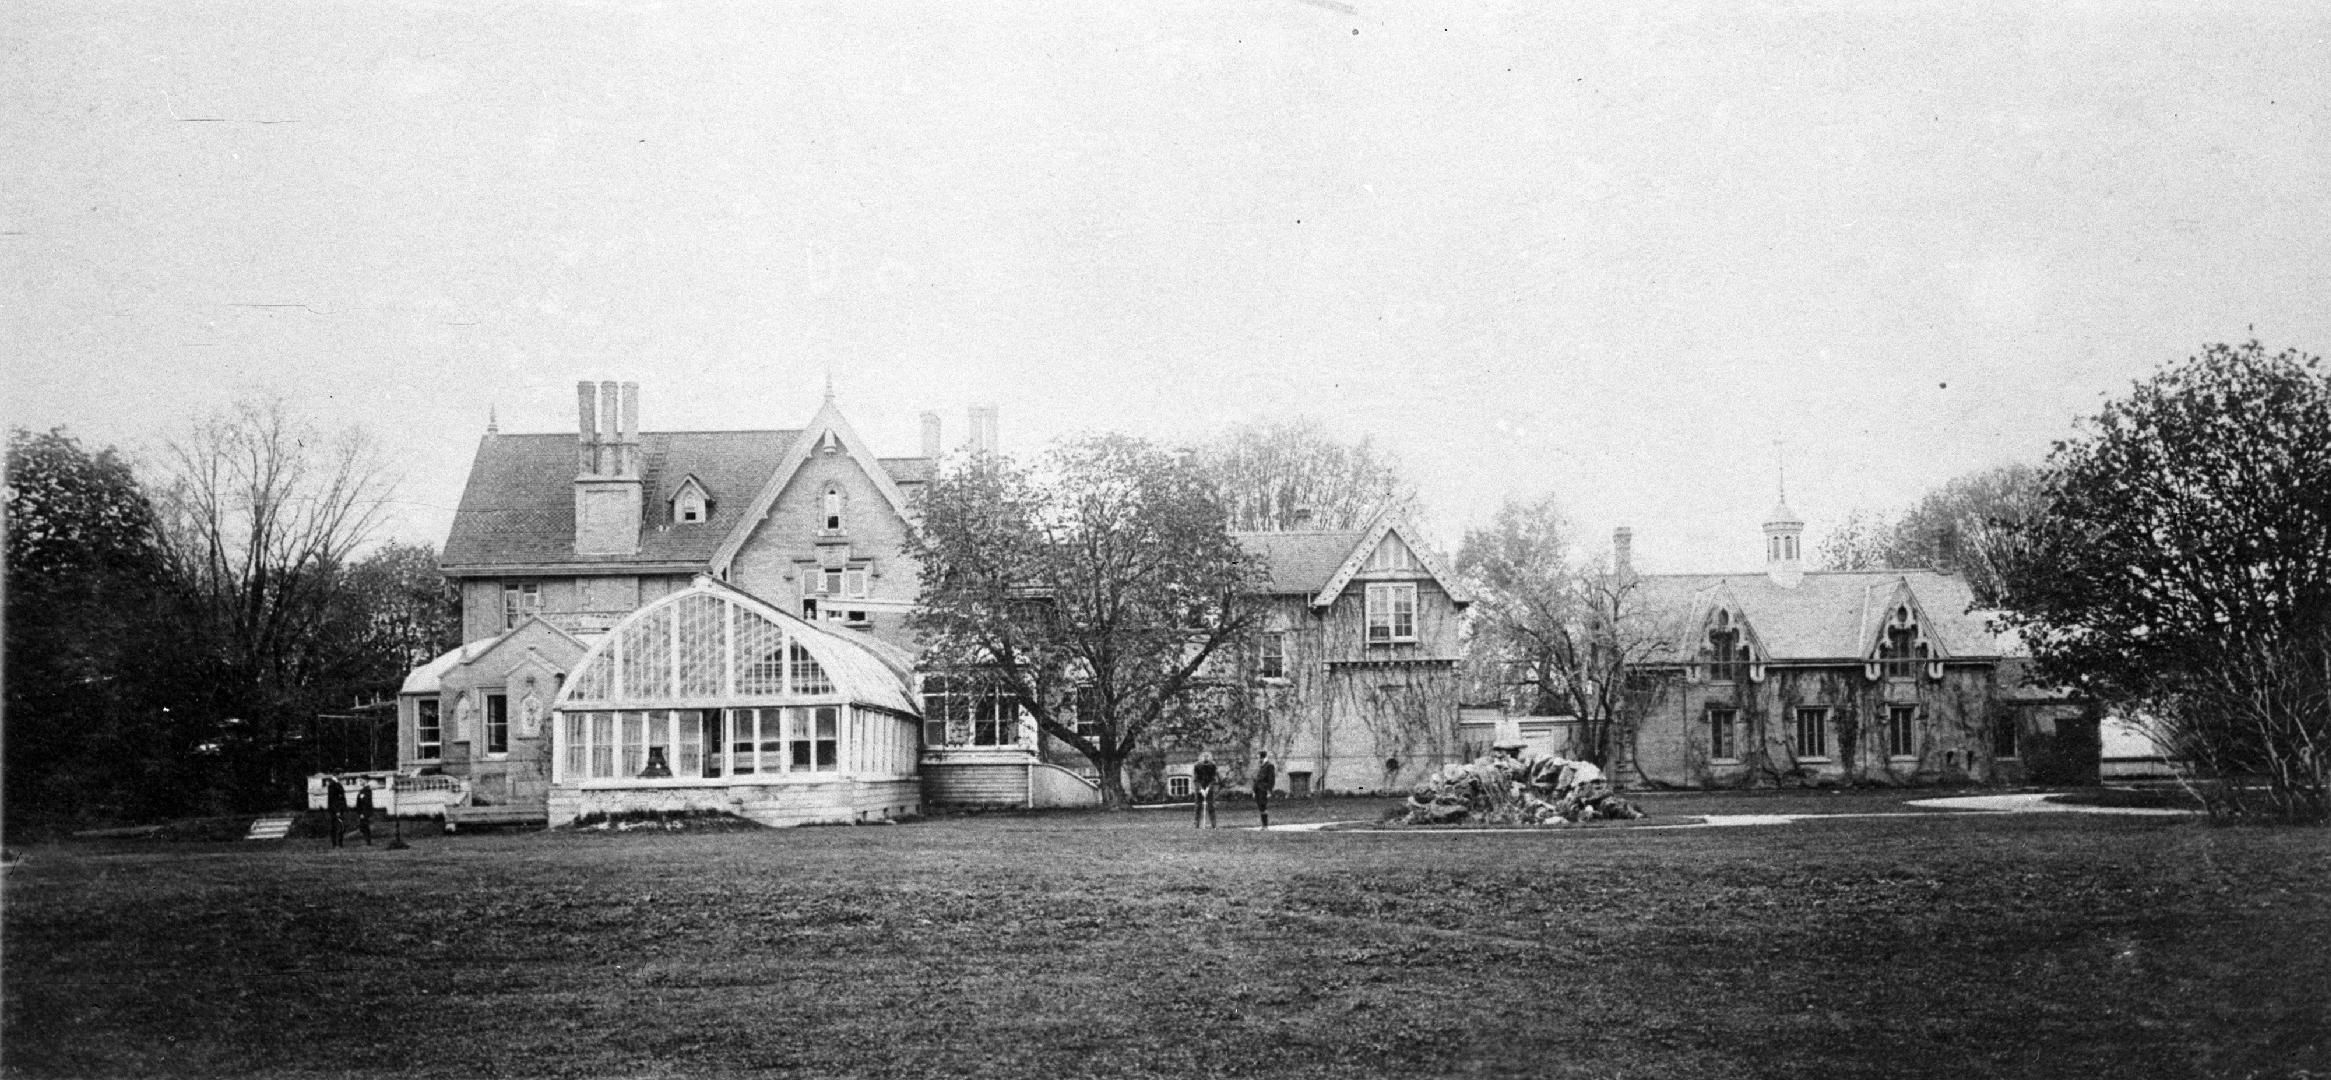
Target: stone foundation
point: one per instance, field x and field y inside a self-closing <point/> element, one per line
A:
<point x="840" y="801"/>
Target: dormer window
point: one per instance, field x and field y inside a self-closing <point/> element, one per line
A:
<point x="832" y="509"/>
<point x="690" y="505"/>
<point x="1727" y="653"/>
<point x="1903" y="648"/>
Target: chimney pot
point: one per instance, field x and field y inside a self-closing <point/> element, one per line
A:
<point x="587" y="422"/>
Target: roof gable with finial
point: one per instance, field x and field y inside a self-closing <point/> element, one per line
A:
<point x="828" y="424"/>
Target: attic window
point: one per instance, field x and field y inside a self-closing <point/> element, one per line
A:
<point x="690" y="506"/>
<point x="1391" y="611"/>
<point x="833" y="509"/>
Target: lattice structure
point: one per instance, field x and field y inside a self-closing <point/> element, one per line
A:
<point x="808" y="677"/>
<point x="703" y="645"/>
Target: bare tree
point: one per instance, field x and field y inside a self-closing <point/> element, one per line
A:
<point x="260" y="515"/>
<point x="1966" y="526"/>
<point x="1291" y="474"/>
<point x="1568" y="631"/>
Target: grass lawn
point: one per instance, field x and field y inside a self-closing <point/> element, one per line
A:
<point x="1088" y="944"/>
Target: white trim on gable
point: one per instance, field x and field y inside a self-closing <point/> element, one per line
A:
<point x="672" y="506"/>
<point x="827" y="425"/>
<point x="1388" y="524"/>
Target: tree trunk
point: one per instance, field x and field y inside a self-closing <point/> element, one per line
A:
<point x="1113" y="796"/>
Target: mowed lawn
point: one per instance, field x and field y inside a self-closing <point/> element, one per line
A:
<point x="1090" y="944"/>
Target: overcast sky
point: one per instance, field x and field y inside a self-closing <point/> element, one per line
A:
<point x="1630" y="256"/>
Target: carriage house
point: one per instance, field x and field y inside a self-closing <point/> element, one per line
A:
<point x="1793" y="676"/>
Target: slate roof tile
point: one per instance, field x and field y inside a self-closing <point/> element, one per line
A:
<point x="519" y="505"/>
<point x="1829" y="614"/>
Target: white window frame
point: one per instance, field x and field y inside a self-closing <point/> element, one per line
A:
<point x="1271" y="659"/>
<point x="428" y="729"/>
<point x="689" y="507"/>
<point x="1384" y="603"/>
<point x="520" y="599"/>
<point x="1178" y="787"/>
<point x="744" y="744"/>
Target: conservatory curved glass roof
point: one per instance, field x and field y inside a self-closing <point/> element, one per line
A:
<point x="710" y="645"/>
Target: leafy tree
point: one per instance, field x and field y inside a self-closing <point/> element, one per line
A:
<point x="2182" y="568"/>
<point x="1101" y="587"/>
<point x="1966" y="526"/>
<point x="1291" y="474"/>
<point x="1566" y="631"/>
<point x="261" y="514"/>
<point x="88" y="648"/>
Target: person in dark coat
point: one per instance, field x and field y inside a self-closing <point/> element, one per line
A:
<point x="1266" y="778"/>
<point x="335" y="804"/>
<point x="1203" y="777"/>
<point x="364" y="813"/>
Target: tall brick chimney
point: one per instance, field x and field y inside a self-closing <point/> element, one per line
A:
<point x="931" y="443"/>
<point x="983" y="430"/>
<point x="1622" y="551"/>
<point x="607" y="493"/>
<point x="587" y="420"/>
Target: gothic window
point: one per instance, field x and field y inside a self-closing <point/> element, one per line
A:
<point x="1727" y="653"/>
<point x="832" y="508"/>
<point x="1903" y="649"/>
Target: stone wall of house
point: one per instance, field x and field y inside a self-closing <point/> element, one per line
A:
<point x="792" y="541"/>
<point x="1349" y="716"/>
<point x="1952" y="733"/>
<point x="840" y="801"/>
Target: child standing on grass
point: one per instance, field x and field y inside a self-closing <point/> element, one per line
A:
<point x="364" y="813"/>
<point x="1266" y="778"/>
<point x="1203" y="776"/>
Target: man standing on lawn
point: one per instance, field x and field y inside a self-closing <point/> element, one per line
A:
<point x="1266" y="778"/>
<point x="1203" y="776"/>
<point x="335" y="804"/>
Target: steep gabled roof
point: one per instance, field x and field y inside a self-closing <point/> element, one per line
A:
<point x="1299" y="563"/>
<point x="1321" y="564"/>
<point x="1829" y="615"/>
<point x="518" y="508"/>
<point x="828" y="423"/>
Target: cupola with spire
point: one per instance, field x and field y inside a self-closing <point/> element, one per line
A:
<point x="1783" y="559"/>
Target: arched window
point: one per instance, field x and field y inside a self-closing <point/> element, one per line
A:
<point x="1727" y="653"/>
<point x="1902" y="649"/>
<point x="833" y="509"/>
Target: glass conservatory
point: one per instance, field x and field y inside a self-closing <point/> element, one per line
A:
<point x="710" y="699"/>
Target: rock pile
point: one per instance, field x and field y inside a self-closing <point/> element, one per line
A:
<point x="1532" y="790"/>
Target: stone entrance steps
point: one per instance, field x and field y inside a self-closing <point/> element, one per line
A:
<point x="271" y="827"/>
